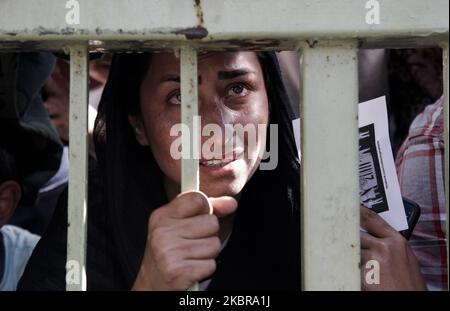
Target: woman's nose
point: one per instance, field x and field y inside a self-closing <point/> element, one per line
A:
<point x="210" y="111"/>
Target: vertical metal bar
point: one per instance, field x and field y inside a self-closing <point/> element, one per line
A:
<point x="189" y="109"/>
<point x="330" y="187"/>
<point x="446" y="146"/>
<point x="78" y="168"/>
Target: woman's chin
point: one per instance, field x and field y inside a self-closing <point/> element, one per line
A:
<point x="222" y="188"/>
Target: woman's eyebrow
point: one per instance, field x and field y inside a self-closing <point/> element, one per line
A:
<point x="222" y="75"/>
<point x="175" y="78"/>
<point x="170" y="77"/>
<point x="231" y="74"/>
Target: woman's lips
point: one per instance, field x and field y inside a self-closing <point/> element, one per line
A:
<point x="223" y="166"/>
<point x="216" y="163"/>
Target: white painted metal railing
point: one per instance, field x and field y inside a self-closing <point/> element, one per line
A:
<point x="327" y="32"/>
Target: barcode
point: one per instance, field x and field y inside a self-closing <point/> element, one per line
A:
<point x="371" y="188"/>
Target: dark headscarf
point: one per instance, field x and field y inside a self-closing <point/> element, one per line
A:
<point x="263" y="251"/>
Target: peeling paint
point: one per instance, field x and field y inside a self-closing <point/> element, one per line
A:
<point x="42" y="31"/>
<point x="198" y="32"/>
<point x="199" y="11"/>
<point x="312" y="44"/>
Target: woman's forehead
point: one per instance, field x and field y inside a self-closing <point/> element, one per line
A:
<point x="166" y="61"/>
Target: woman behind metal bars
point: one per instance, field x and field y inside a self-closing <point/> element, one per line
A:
<point x="241" y="232"/>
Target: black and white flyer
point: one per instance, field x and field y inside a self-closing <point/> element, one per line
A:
<point x="379" y="189"/>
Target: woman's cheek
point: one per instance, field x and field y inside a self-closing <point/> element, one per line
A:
<point x="160" y="141"/>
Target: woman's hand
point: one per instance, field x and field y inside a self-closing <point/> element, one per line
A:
<point x="399" y="269"/>
<point x="182" y="242"/>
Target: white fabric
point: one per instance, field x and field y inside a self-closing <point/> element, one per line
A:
<point x="18" y="246"/>
<point x="61" y="176"/>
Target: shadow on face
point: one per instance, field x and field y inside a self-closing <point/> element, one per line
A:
<point x="10" y="194"/>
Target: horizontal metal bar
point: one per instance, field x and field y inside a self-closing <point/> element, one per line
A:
<point x="330" y="186"/>
<point x="243" y="22"/>
<point x="122" y="46"/>
<point x="78" y="168"/>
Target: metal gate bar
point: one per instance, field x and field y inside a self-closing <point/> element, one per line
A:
<point x="78" y="168"/>
<point x="330" y="191"/>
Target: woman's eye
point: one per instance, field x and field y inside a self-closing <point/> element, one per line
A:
<point x="237" y="89"/>
<point x="175" y="99"/>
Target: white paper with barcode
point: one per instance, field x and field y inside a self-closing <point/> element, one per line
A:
<point x="379" y="188"/>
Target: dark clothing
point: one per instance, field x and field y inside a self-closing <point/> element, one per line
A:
<point x="46" y="267"/>
<point x="35" y="218"/>
<point x="256" y="257"/>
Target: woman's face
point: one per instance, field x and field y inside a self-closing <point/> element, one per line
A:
<point x="231" y="91"/>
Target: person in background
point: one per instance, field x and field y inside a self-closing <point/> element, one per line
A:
<point x="16" y="244"/>
<point x="30" y="153"/>
<point x="24" y="121"/>
<point x="415" y="81"/>
<point x="56" y="93"/>
<point x="420" y="168"/>
<point x="55" y="100"/>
